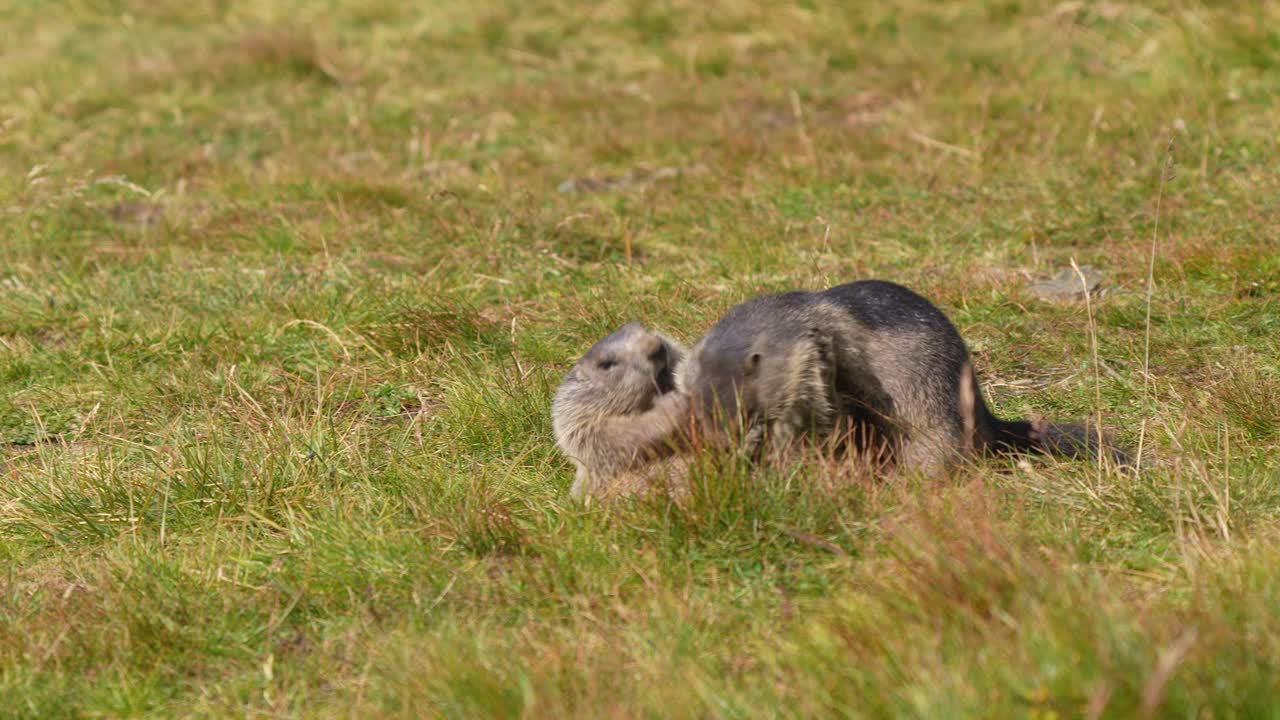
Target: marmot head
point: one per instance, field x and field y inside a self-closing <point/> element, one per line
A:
<point x="745" y="372"/>
<point x="722" y="384"/>
<point x="623" y="373"/>
<point x="723" y="380"/>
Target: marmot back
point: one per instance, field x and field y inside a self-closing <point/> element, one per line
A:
<point x="618" y="409"/>
<point x="871" y="362"/>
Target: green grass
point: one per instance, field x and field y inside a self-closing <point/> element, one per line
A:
<point x="286" y="287"/>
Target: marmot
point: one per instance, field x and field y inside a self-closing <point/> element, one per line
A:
<point x="617" y="413"/>
<point x="870" y="362"/>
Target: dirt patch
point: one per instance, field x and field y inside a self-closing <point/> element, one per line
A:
<point x="137" y="214"/>
<point x="637" y="178"/>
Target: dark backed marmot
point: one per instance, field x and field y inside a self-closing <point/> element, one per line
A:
<point x="617" y="415"/>
<point x="871" y="362"/>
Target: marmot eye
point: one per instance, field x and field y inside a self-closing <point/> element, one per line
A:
<point x="606" y="364"/>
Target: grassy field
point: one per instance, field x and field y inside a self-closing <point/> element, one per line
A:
<point x="286" y="287"/>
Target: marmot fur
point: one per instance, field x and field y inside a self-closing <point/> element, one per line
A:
<point x="870" y="362"/>
<point x="617" y="415"/>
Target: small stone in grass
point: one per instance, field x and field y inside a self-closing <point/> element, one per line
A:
<point x="1068" y="285"/>
<point x="639" y="177"/>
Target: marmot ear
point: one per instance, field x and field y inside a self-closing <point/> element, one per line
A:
<point x="752" y="364"/>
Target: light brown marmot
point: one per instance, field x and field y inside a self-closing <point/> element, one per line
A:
<point x="618" y="415"/>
